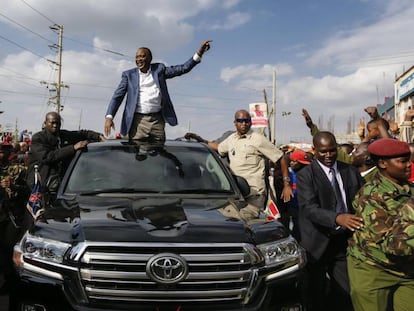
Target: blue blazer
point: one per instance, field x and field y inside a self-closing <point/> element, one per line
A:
<point x="130" y="85"/>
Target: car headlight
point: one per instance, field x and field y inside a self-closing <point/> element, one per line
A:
<point x="278" y="252"/>
<point x="43" y="249"/>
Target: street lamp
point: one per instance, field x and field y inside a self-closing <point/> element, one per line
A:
<point x="284" y="115"/>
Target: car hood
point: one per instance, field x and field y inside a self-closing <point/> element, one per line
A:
<point x="169" y="219"/>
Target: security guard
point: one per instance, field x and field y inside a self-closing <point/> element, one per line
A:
<point x="381" y="252"/>
<point x="14" y="194"/>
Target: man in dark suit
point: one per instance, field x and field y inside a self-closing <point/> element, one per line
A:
<point x="326" y="189"/>
<point x="148" y="105"/>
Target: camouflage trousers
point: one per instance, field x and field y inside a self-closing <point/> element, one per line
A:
<point x="375" y="289"/>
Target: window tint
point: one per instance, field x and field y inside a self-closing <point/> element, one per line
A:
<point x="173" y="169"/>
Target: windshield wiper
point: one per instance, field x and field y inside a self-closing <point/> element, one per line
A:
<point x="117" y="190"/>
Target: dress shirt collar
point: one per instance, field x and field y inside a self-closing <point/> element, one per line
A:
<point x="327" y="168"/>
<point x="247" y="135"/>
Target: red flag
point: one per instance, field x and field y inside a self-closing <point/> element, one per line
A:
<point x="272" y="210"/>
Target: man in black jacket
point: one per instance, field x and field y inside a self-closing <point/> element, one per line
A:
<point x="52" y="149"/>
<point x="326" y="189"/>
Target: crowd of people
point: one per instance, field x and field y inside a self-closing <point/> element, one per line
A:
<point x="349" y="205"/>
<point x="49" y="150"/>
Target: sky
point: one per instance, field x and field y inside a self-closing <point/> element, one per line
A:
<point x="331" y="57"/>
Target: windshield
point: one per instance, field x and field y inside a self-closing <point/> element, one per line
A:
<point x="133" y="169"/>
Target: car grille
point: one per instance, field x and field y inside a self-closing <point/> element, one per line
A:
<point x="216" y="273"/>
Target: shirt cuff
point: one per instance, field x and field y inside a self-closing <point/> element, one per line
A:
<point x="109" y="116"/>
<point x="197" y="58"/>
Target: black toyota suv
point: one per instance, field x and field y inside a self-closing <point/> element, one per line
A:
<point x="143" y="227"/>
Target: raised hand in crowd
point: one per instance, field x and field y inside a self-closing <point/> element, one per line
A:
<point x="380" y="124"/>
<point x="308" y="119"/>
<point x="372" y="112"/>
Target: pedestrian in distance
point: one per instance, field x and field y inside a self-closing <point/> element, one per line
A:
<point x="148" y="104"/>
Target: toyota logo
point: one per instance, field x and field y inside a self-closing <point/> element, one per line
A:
<point x="167" y="268"/>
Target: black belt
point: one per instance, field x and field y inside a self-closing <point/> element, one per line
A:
<point x="152" y="114"/>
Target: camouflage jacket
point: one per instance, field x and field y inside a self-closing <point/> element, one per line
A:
<point x="13" y="199"/>
<point x="387" y="238"/>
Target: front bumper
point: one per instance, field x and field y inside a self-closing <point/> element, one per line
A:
<point x="97" y="277"/>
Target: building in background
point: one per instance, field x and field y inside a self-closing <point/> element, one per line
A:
<point x="404" y="93"/>
<point x="387" y="109"/>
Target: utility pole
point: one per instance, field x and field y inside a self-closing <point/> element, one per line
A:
<point x="1" y="126"/>
<point x="268" y="116"/>
<point x="80" y="120"/>
<point x="273" y="115"/>
<point x="59" y="83"/>
<point x="56" y="99"/>
<point x="16" y="131"/>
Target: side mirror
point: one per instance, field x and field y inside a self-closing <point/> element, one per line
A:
<point x="243" y="185"/>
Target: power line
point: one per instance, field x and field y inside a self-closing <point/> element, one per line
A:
<point x="22" y="47"/>
<point x="26" y="28"/>
<point x="19" y="79"/>
<point x="40" y="13"/>
<point x="68" y="38"/>
<point x="107" y="99"/>
<point x="96" y="47"/>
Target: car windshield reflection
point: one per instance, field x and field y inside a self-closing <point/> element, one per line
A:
<point x="142" y="169"/>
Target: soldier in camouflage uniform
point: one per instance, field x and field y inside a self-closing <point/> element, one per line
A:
<point x="381" y="253"/>
<point x="13" y="198"/>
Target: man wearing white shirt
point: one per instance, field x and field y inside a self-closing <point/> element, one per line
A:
<point x="148" y="105"/>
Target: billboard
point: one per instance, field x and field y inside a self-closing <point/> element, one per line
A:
<point x="259" y="114"/>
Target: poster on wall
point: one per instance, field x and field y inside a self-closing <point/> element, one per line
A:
<point x="258" y="112"/>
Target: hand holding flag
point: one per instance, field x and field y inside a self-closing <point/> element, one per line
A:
<point x="35" y="202"/>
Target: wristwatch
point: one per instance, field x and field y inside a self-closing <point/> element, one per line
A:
<point x="286" y="179"/>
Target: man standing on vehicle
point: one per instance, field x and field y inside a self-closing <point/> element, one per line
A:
<point x="148" y="105"/>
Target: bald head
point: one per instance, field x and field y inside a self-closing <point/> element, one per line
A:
<point x="52" y="122"/>
<point x="241" y="112"/>
<point x="361" y="156"/>
<point x="323" y="138"/>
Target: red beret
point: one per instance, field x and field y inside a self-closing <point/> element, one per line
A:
<point x="389" y="148"/>
<point x="300" y="156"/>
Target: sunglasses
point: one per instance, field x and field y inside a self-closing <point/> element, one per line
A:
<point x="245" y="120"/>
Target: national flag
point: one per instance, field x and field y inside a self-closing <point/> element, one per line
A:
<point x="35" y="203"/>
<point x="272" y="210"/>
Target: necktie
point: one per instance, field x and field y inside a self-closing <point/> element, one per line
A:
<point x="340" y="205"/>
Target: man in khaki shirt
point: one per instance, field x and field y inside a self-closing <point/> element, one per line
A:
<point x="247" y="151"/>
